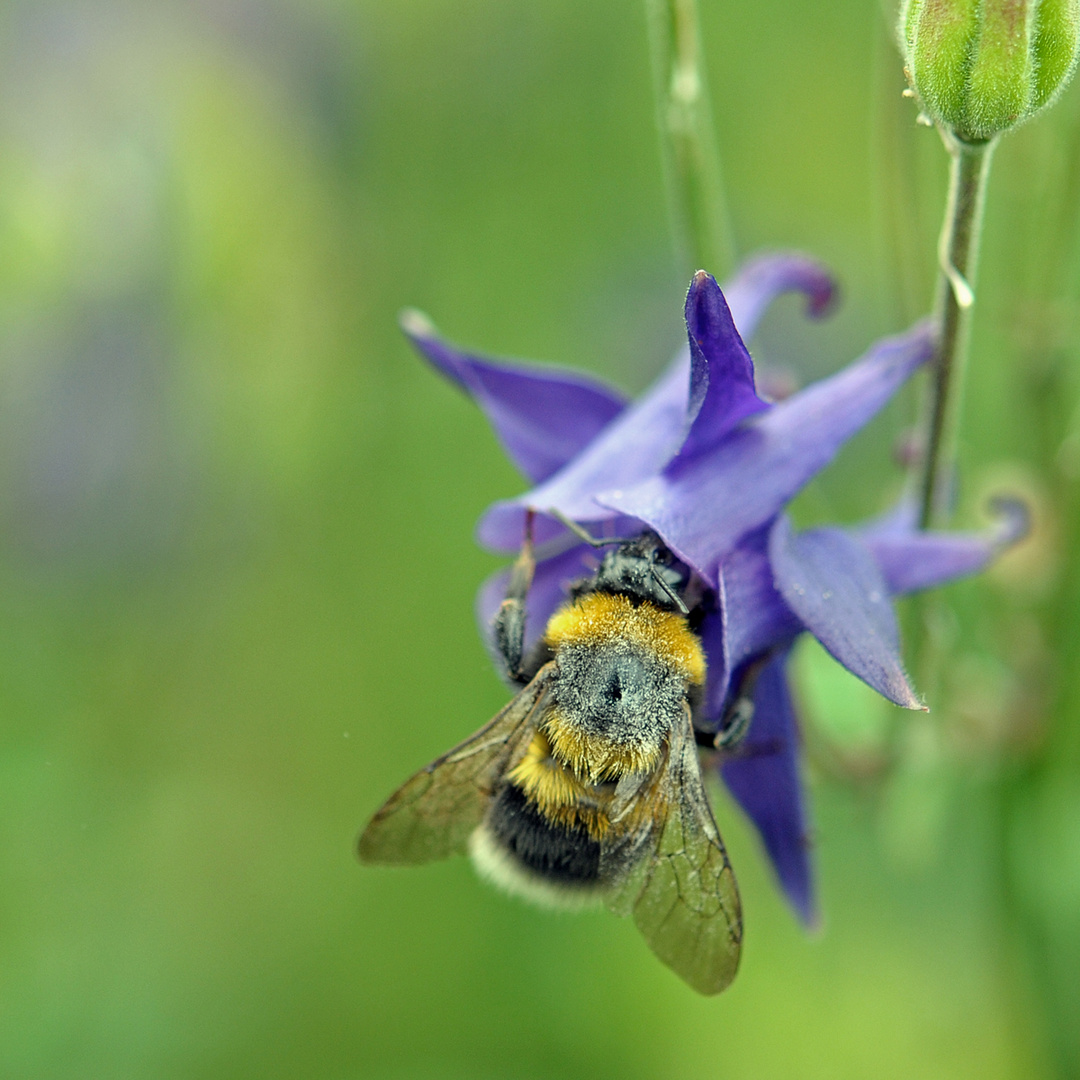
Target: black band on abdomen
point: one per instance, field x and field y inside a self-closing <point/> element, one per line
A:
<point x="560" y="854"/>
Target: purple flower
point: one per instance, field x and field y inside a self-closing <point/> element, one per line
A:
<point x="709" y="465"/>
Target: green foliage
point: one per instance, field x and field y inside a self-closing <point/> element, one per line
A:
<point x="236" y="559"/>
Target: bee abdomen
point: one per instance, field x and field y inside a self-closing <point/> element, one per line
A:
<point x="559" y="853"/>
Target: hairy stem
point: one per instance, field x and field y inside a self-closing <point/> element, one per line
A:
<point x="958" y="252"/>
<point x="692" y="171"/>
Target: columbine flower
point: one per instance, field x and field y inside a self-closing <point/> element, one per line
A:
<point x="709" y="465"/>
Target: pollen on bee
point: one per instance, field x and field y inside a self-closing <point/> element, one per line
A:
<point x="602" y="617"/>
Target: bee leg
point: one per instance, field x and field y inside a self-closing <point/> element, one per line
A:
<point x="740" y="712"/>
<point x="508" y="626"/>
<point x="733" y="727"/>
<point x="736" y="724"/>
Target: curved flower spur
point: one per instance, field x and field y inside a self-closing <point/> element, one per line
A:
<point x="588" y="783"/>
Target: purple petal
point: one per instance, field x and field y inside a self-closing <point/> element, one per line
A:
<point x="548" y="591"/>
<point x="637" y="444"/>
<point x="543" y="416"/>
<point x="765" y="779"/>
<point x="645" y="436"/>
<point x="721" y="372"/>
<point x="757" y="619"/>
<point x="911" y="560"/>
<point x="750" y="619"/>
<point x="703" y="506"/>
<point x="763" y="278"/>
<point x="830" y="580"/>
<point x="714" y="638"/>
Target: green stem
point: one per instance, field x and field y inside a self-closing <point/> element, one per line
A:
<point x="958" y="252"/>
<point x="688" y="142"/>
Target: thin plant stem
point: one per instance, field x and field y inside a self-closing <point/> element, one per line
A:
<point x="958" y="249"/>
<point x="693" y="176"/>
<point x="958" y="252"/>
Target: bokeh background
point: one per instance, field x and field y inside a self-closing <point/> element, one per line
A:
<point x="237" y="568"/>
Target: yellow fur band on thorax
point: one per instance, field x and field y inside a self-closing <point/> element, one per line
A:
<point x="599" y="618"/>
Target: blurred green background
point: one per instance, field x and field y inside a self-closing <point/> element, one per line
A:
<point x="237" y="569"/>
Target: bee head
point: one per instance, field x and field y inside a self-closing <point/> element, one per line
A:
<point x="641" y="569"/>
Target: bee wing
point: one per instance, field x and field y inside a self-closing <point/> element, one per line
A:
<point x="681" y="890"/>
<point x="433" y="813"/>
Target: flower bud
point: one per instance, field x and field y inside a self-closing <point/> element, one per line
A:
<point x="980" y="67"/>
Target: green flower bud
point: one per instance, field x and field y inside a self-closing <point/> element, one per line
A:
<point x="980" y="67"/>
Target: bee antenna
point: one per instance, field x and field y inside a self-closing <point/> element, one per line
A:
<point x="581" y="534"/>
<point x="675" y="598"/>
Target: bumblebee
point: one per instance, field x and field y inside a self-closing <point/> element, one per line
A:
<point x="587" y="787"/>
